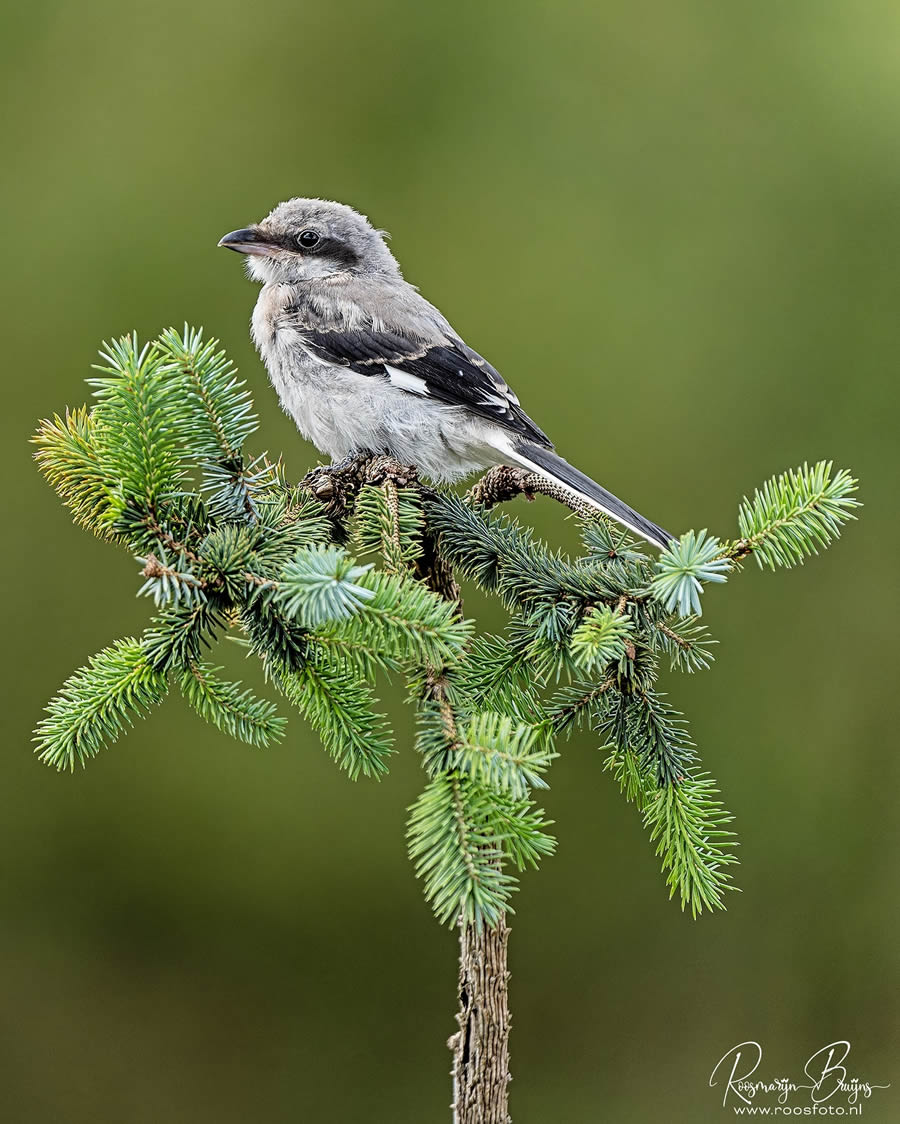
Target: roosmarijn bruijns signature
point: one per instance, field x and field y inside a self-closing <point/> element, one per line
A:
<point x="828" y="1080"/>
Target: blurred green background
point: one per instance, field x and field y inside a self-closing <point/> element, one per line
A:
<point x="675" y="228"/>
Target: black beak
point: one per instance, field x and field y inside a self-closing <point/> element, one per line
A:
<point x="250" y="240"/>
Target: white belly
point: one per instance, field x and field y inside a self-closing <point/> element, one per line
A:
<point x="342" y="412"/>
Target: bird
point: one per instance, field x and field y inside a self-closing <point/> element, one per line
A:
<point x="363" y="362"/>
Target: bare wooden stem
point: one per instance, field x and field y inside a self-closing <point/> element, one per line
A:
<point x="481" y="1045"/>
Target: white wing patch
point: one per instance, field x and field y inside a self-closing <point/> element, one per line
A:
<point x="403" y="380"/>
<point x="500" y="400"/>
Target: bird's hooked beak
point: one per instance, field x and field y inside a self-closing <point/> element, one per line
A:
<point x="250" y="240"/>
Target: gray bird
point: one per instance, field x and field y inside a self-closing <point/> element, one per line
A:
<point x="361" y="361"/>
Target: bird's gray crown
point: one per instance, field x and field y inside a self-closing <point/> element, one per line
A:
<point x="304" y="239"/>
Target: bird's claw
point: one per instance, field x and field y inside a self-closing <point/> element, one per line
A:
<point x="320" y="479"/>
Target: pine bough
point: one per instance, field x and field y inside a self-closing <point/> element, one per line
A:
<point x="225" y="544"/>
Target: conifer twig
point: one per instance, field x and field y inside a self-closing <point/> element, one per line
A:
<point x="504" y="482"/>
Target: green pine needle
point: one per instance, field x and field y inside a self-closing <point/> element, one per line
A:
<point x="170" y="584"/>
<point x="217" y="413"/>
<point x="67" y="455"/>
<point x="216" y="417"/>
<point x="389" y="521"/>
<point x="403" y="619"/>
<point x="522" y="829"/>
<point x="585" y="700"/>
<point x="502" y="754"/>
<point x="625" y="766"/>
<point x="456" y="852"/>
<point x="794" y="515"/>
<point x="341" y="711"/>
<point x="494" y="676"/>
<point x="97" y="703"/>
<point x="655" y="730"/>
<point x="180" y="633"/>
<point x="137" y="420"/>
<point x="602" y="638"/>
<point x="236" y="712"/>
<point x="321" y="585"/>
<point x="688" y="644"/>
<point x="687" y="823"/>
<point x="683" y="567"/>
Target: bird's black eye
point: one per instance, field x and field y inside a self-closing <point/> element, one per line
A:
<point x="306" y="239"/>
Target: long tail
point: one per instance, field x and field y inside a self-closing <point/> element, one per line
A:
<point x="547" y="464"/>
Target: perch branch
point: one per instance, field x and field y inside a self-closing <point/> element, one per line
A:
<point x="503" y="482"/>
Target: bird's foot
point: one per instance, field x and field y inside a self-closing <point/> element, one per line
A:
<point x="336" y="486"/>
<point x="321" y="478"/>
<point x="360" y="467"/>
<point x="351" y="459"/>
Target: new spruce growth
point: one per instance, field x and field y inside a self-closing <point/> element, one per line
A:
<point x="349" y="575"/>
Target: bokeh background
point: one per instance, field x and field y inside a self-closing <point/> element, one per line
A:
<point x="675" y="228"/>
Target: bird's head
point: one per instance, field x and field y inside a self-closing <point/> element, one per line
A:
<point x="305" y="239"/>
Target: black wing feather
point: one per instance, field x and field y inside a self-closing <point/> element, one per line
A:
<point x="451" y="371"/>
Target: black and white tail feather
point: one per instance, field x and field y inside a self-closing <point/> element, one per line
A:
<point x="544" y="462"/>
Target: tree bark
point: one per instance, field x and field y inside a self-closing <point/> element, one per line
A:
<point x="481" y="1045"/>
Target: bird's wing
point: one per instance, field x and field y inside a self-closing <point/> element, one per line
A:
<point x="446" y="370"/>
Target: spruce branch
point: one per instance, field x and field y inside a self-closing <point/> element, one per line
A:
<point x="490" y="550"/>
<point x="236" y="712"/>
<point x="167" y="584"/>
<point x="216" y="418"/>
<point x="68" y="456"/>
<point x="602" y="638"/>
<point x="342" y="712"/>
<point x="95" y="704"/>
<point x="659" y="733"/>
<point x="609" y="544"/>
<point x="632" y="779"/>
<point x="684" y="566"/>
<point x="456" y="853"/>
<point x="688" y="648"/>
<point x="389" y="521"/>
<point x="403" y="619"/>
<point x="574" y="703"/>
<point x="180" y="633"/>
<point x="186" y="517"/>
<point x="795" y="514"/>
<point x="137" y="424"/>
<point x="522" y="829"/>
<point x="320" y="585"/>
<point x="356" y="658"/>
<point x="687" y="823"/>
<point x="504" y="755"/>
<point x="279" y="642"/>
<point x="217" y="414"/>
<point x="497" y="675"/>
